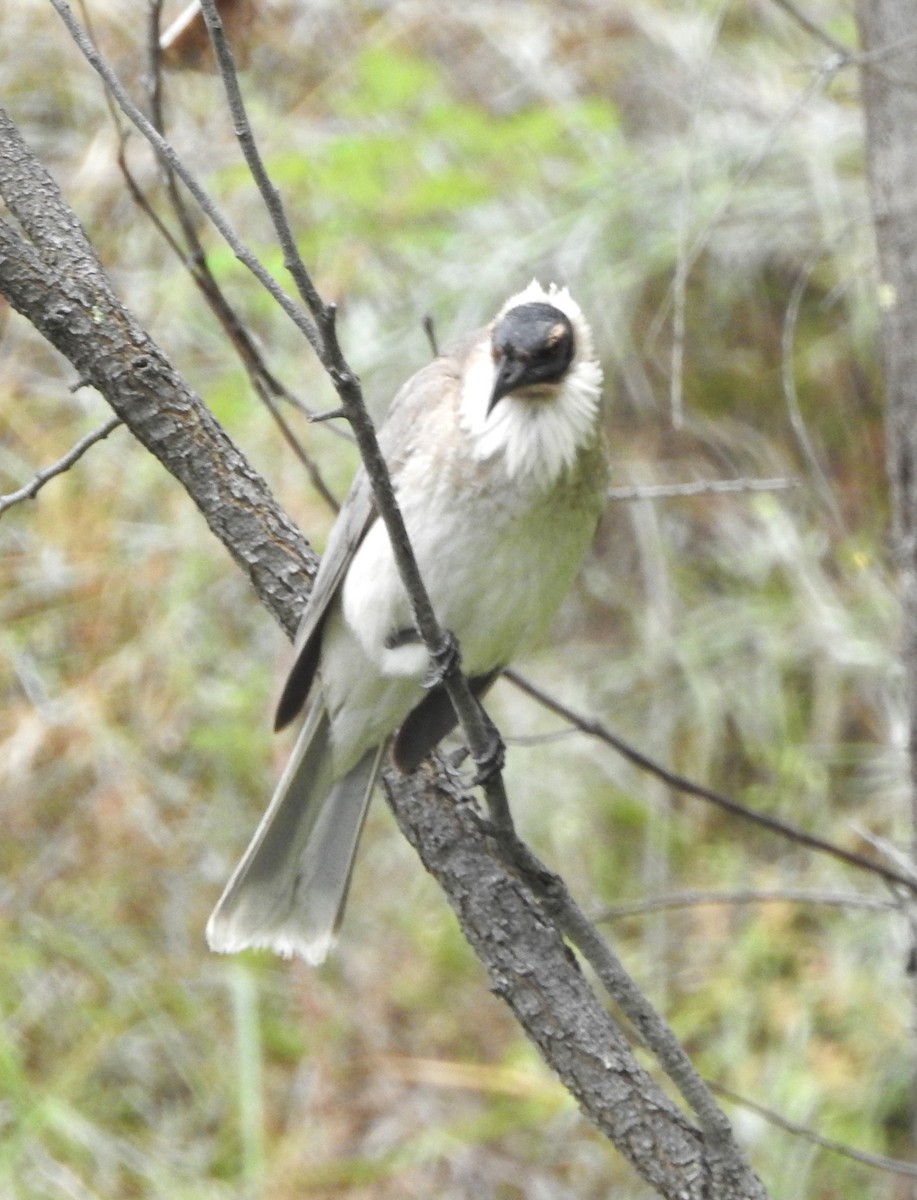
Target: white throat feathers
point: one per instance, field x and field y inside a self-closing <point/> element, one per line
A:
<point x="540" y="430"/>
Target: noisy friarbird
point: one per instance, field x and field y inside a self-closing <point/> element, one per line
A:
<point x="497" y="461"/>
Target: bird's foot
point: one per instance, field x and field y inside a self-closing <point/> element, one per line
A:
<point x="445" y="661"/>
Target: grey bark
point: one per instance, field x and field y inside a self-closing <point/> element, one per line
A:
<point x="49" y="272"/>
<point x="888" y="34"/>
<point x="531" y="968"/>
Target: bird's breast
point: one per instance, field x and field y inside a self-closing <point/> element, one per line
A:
<point x="496" y="559"/>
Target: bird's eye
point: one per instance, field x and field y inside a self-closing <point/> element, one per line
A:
<point x="553" y="342"/>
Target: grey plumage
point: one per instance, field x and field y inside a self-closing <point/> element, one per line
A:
<point x="499" y="506"/>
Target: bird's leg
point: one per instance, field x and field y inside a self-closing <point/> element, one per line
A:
<point x="402" y="637"/>
<point x="490" y="752"/>
<point x="446" y="660"/>
<point x="489" y="759"/>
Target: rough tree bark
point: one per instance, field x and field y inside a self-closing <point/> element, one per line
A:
<point x="52" y="275"/>
<point x="49" y="273"/>
<point x="888" y="35"/>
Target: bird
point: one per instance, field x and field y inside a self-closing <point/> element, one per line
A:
<point x="498" y="463"/>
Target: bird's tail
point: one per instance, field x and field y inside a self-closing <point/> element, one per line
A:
<point x="288" y="892"/>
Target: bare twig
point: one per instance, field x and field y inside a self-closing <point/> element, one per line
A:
<point x="811" y="27"/>
<point x="483" y="740"/>
<point x="702" y="487"/>
<point x="876" y="59"/>
<point x="34" y="486"/>
<point x="267" y="386"/>
<point x="292" y="259"/>
<point x="167" y="154"/>
<point x="792" y="832"/>
<point x="262" y="379"/>
<point x="879" y="1161"/>
<point x="639" y="908"/>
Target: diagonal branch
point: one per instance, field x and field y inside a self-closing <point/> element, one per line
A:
<point x="503" y="917"/>
<point x="74" y="454"/>
<point x="55" y="280"/>
<point x="167" y="154"/>
<point x="651" y="1029"/>
<point x="680" y="783"/>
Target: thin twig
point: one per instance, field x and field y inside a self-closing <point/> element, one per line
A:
<point x="194" y="258"/>
<point x="265" y="383"/>
<point x="702" y="487"/>
<point x="34" y="486"/>
<point x="816" y="30"/>
<point x="483" y="740"/>
<point x="639" y="908"/>
<point x="167" y="154"/>
<point x="249" y="147"/>
<point x="792" y="832"/>
<point x="875" y="59"/>
<point x="880" y="1161"/>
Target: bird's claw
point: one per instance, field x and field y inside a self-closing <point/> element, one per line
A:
<point x="444" y="661"/>
<point x="491" y="763"/>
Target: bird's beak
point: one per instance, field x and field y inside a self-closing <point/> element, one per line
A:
<point x="510" y="374"/>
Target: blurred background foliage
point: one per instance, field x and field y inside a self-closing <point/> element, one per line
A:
<point x="695" y="172"/>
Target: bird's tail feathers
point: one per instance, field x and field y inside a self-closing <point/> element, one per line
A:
<point x="288" y="892"/>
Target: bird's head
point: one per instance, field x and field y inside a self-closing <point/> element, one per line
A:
<point x="532" y="387"/>
<point x="532" y="346"/>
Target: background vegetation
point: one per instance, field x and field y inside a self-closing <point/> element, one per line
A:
<point x="695" y="172"/>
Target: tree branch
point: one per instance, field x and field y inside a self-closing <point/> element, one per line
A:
<point x="680" y="783"/>
<point x="55" y="280"/>
<point x="34" y="486"/>
<point x="531" y="969"/>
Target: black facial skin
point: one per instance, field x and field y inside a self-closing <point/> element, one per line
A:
<point x="532" y="344"/>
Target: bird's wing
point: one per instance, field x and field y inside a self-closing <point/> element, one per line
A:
<point x="399" y="436"/>
<point x="356" y="516"/>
